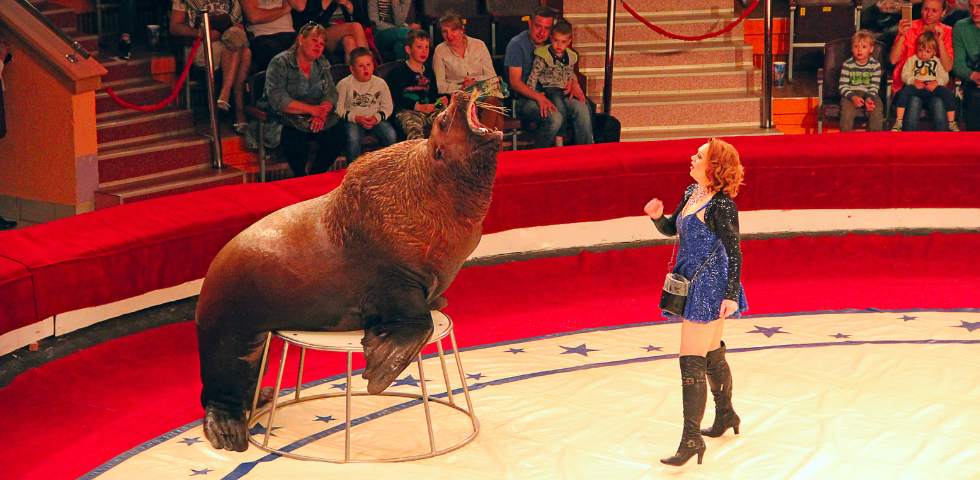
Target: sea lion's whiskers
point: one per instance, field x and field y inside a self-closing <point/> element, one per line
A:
<point x="495" y="108"/>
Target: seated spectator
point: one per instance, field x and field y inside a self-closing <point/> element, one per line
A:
<point x="234" y="63"/>
<point x="925" y="77"/>
<point x="553" y="74"/>
<point x="966" y="64"/>
<point x="298" y="87"/>
<point x="860" y="77"/>
<point x="340" y="18"/>
<point x="392" y="19"/>
<point x="531" y="105"/>
<point x="460" y="62"/>
<point x="905" y="47"/>
<point x="413" y="88"/>
<point x="270" y="23"/>
<point x="364" y="104"/>
<point x="956" y="10"/>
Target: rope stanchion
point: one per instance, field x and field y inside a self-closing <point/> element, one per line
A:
<point x="173" y="94"/>
<point x="691" y="38"/>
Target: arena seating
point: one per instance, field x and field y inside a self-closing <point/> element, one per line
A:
<point x="121" y="252"/>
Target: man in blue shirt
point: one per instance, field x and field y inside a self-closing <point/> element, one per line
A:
<point x="532" y="105"/>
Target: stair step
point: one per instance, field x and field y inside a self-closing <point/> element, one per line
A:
<point x="132" y="123"/>
<point x="639" y="54"/>
<point x="140" y="91"/>
<point x="701" y="131"/>
<point x="165" y="185"/>
<point x="125" y="69"/>
<point x="591" y="29"/>
<point x="142" y="157"/>
<point x="62" y="17"/>
<point x="732" y="77"/>
<point x="641" y="6"/>
<point x="686" y="109"/>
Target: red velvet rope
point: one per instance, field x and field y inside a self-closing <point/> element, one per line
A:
<point x="173" y="94"/>
<point x="698" y="37"/>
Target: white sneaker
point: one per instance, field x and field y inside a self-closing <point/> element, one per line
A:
<point x="898" y="126"/>
<point x="953" y="127"/>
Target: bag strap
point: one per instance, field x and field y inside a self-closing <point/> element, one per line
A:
<point x="705" y="263"/>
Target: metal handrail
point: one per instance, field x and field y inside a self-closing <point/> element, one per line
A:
<point x="55" y="29"/>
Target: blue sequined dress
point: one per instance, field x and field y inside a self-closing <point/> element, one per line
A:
<point x="697" y="242"/>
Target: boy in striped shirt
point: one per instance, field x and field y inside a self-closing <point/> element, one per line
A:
<point x="860" y="77"/>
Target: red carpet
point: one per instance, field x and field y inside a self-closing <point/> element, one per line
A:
<point x="68" y="417"/>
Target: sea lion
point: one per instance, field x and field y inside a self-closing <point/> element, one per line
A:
<point x="376" y="253"/>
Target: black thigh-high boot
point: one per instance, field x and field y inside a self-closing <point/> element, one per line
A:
<point x="720" y="381"/>
<point x="695" y="395"/>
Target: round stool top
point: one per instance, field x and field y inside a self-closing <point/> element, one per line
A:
<point x="351" y="341"/>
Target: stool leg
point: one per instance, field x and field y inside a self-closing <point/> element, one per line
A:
<point x="299" y="376"/>
<point x="275" y="397"/>
<point x="445" y="373"/>
<point x="258" y="384"/>
<point x="347" y="387"/>
<point x="425" y="403"/>
<point x="462" y="378"/>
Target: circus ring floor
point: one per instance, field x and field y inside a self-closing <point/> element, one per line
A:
<point x="856" y="360"/>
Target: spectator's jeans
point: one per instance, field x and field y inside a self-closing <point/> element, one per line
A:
<point x="392" y="40"/>
<point x="548" y="127"/>
<point x="354" y="133"/>
<point x="848" y="111"/>
<point x="971" y="105"/>
<point x="574" y="111"/>
<point x="937" y="109"/>
<point x="296" y="148"/>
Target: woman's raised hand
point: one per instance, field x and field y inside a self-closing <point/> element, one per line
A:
<point x="654" y="208"/>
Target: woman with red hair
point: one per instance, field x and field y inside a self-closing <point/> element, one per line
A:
<point x="706" y="222"/>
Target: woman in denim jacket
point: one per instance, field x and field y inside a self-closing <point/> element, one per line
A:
<point x="299" y="88"/>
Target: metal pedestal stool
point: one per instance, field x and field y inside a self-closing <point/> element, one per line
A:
<point x="350" y="342"/>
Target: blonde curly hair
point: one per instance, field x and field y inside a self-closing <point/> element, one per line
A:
<point x="726" y="173"/>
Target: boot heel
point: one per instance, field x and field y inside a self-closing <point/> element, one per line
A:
<point x="735" y="429"/>
<point x="700" y="456"/>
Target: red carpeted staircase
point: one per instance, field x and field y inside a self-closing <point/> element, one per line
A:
<point x="142" y="155"/>
<point x="665" y="88"/>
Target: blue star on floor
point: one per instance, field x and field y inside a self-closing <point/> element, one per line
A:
<point x="969" y="326"/>
<point x="768" y="332"/>
<point x="515" y="351"/>
<point x="839" y="335"/>
<point x="474" y="376"/>
<point x="650" y="348"/>
<point x="191" y="441"/>
<point x="342" y="386"/>
<point x="258" y="429"/>
<point x="581" y="350"/>
<point x="407" y="381"/>
<point x="201" y="472"/>
<point x="327" y="419"/>
<point x="906" y="318"/>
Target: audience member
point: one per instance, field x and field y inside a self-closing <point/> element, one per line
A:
<point x="341" y="18"/>
<point x="905" y="47"/>
<point x="531" y="105"/>
<point x="270" y="23"/>
<point x="956" y="10"/>
<point x="925" y="77"/>
<point x="234" y="63"/>
<point x="966" y="64"/>
<point x="413" y="88"/>
<point x="461" y="62"/>
<point x="364" y="104"/>
<point x="860" y="77"/>
<point x="553" y="74"/>
<point x="392" y="20"/>
<point x="299" y="87"/>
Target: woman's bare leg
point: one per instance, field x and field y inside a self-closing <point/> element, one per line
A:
<point x="699" y="338"/>
<point x="351" y="35"/>
<point x="241" y="75"/>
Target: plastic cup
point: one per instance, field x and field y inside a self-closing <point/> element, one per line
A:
<point x="778" y="73"/>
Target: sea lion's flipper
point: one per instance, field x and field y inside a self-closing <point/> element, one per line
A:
<point x="225" y="430"/>
<point x="439" y="303"/>
<point x="392" y="346"/>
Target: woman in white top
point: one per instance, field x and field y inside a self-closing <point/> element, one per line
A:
<point x="460" y="61"/>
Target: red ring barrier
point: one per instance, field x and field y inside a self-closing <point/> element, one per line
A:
<point x="694" y="38"/>
<point x="173" y="94"/>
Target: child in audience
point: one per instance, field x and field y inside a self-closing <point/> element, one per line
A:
<point x="860" y="77"/>
<point x="553" y="74"/>
<point x="414" y="89"/>
<point x="364" y="104"/>
<point x="925" y="77"/>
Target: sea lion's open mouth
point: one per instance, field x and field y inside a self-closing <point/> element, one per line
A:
<point x="473" y="117"/>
